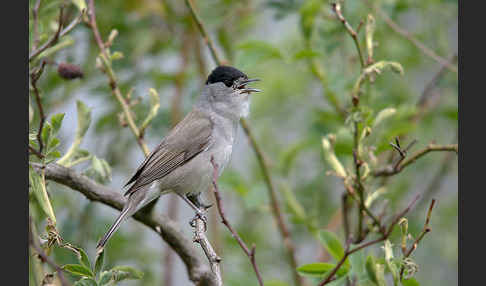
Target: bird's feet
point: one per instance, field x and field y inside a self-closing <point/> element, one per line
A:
<point x="200" y="214"/>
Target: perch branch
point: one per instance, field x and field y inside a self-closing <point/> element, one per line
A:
<point x="201" y="238"/>
<point x="248" y="252"/>
<point x="284" y="232"/>
<point x="165" y="227"/>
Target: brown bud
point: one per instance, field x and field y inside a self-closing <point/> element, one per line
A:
<point x="69" y="71"/>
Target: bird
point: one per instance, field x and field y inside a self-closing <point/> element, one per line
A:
<point x="181" y="163"/>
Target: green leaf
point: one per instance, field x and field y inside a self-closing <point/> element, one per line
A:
<point x="105" y="277"/>
<point x="389" y="261"/>
<point x="84" y="119"/>
<point x="100" y="260"/>
<point x="79" y="270"/>
<point x="116" y="56"/>
<point x="85" y="281"/>
<point x="38" y="186"/>
<point x="380" y="274"/>
<point x="332" y="245"/>
<point x="101" y="169"/>
<point x="46" y="132"/>
<point x="382" y="115"/>
<point x="319" y="269"/>
<point x="410" y="282"/>
<point x="126" y="272"/>
<point x="306" y="54"/>
<point x="371" y="268"/>
<point x="331" y="158"/>
<point x="83" y="258"/>
<point x="154" y="107"/>
<point x="56" y="121"/>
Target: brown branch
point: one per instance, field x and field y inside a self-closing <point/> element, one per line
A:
<point x="35" y="245"/>
<point x="168" y="229"/>
<point x="261" y="158"/>
<point x="34" y="76"/>
<point x="53" y="40"/>
<point x="336" y="7"/>
<point x="392" y="170"/>
<point x="35" y="18"/>
<point x="406" y="34"/>
<point x="105" y="58"/>
<point x="201" y="238"/>
<point x="385" y="236"/>
<point x="248" y="252"/>
<point x="35" y="152"/>
<point x="426" y="229"/>
<point x="204" y="33"/>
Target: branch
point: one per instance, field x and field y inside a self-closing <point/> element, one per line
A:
<point x="261" y="159"/>
<point x="35" y="244"/>
<point x="168" y="229"/>
<point x="395" y="27"/>
<point x="55" y="38"/>
<point x="204" y="33"/>
<point x="336" y="7"/>
<point x="392" y="170"/>
<point x="426" y="229"/>
<point x="201" y="238"/>
<point x="34" y="76"/>
<point x="248" y="252"/>
<point x="105" y="59"/>
<point x="35" y="18"/>
<point x="385" y="236"/>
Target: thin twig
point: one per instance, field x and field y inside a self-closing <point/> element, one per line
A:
<point x="261" y="158"/>
<point x="336" y="7"/>
<point x="112" y="78"/>
<point x="385" y="236"/>
<point x="34" y="76"/>
<point x="201" y="238"/>
<point x="392" y="170"/>
<point x="204" y="33"/>
<point x="35" y="152"/>
<point x="53" y="39"/>
<point x="35" y="18"/>
<point x="426" y="229"/>
<point x="35" y="244"/>
<point x="406" y="34"/>
<point x="248" y="252"/>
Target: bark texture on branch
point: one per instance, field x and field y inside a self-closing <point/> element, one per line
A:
<point x="168" y="229"/>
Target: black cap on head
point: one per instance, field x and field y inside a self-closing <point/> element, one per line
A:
<point x="225" y="74"/>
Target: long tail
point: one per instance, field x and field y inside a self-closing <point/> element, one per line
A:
<point x="122" y="217"/>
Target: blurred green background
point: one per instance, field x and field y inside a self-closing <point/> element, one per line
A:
<point x="274" y="41"/>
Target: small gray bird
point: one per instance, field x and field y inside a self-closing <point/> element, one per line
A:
<point x="181" y="162"/>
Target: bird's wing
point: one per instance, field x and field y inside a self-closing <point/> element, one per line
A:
<point x="189" y="137"/>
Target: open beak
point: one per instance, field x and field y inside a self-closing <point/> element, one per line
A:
<point x="248" y="90"/>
